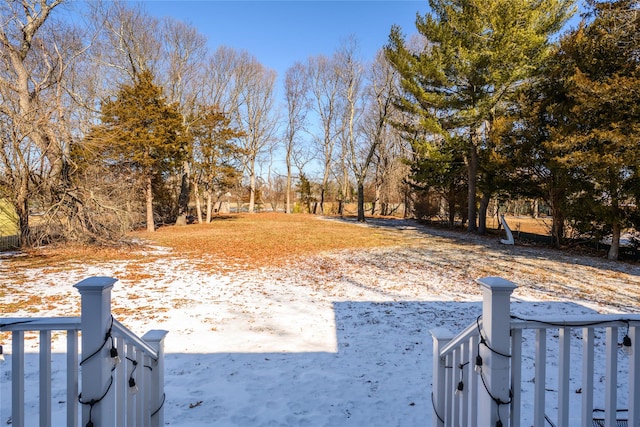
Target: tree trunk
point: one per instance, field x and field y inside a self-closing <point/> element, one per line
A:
<point x="252" y="190"/>
<point x="209" y="205"/>
<point x="361" y="202"/>
<point x="482" y="213"/>
<point x="376" y="201"/>
<point x="149" y="193"/>
<point x="21" y="206"/>
<point x="557" y="218"/>
<point x="473" y="172"/>
<point x="196" y="192"/>
<point x="407" y="201"/>
<point x="345" y="185"/>
<point x="321" y="202"/>
<point x="451" y="203"/>
<point x="614" y="250"/>
<point x="287" y="208"/>
<point x="183" y="198"/>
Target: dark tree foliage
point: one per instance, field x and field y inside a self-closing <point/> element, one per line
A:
<point x="214" y="153"/>
<point x="474" y="55"/>
<point x="599" y="141"/>
<point x="142" y="135"/>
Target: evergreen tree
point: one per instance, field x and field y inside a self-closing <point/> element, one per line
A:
<point x="474" y="55"/>
<point x="600" y="137"/>
<point x="141" y="133"/>
<point x="439" y="168"/>
<point x="214" y="153"/>
<point x="531" y="150"/>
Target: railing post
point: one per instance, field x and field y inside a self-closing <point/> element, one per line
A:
<point x="155" y="338"/>
<point x="97" y="391"/>
<point x="441" y="337"/>
<point x="496" y="327"/>
<point x="634" y="377"/>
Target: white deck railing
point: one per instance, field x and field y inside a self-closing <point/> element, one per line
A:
<point x="477" y="375"/>
<point x="121" y="376"/>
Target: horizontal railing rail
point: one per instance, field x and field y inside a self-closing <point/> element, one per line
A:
<point x="588" y="320"/>
<point x="120" y="330"/>
<point x="39" y="323"/>
<point x="468" y="333"/>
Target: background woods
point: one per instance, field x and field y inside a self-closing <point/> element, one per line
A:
<point x="117" y="119"/>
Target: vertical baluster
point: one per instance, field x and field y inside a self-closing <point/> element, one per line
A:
<point x="540" y="377"/>
<point x="146" y="369"/>
<point x="448" y="390"/>
<point x="17" y="379"/>
<point x="473" y="381"/>
<point x="139" y="377"/>
<point x="131" y="398"/>
<point x="120" y="384"/>
<point x="465" y="372"/>
<point x="634" y="377"/>
<point x="516" y="376"/>
<point x="588" y="338"/>
<point x="45" y="378"/>
<point x="564" y="356"/>
<point x="455" y="401"/>
<point x="72" y="378"/>
<point x="611" y="375"/>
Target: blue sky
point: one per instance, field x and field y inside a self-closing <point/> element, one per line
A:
<point x="279" y="33"/>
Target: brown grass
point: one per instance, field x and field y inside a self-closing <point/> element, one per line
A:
<point x="231" y="242"/>
<point x="64" y="257"/>
<point x="266" y="239"/>
<point x="526" y="224"/>
<point x="228" y="244"/>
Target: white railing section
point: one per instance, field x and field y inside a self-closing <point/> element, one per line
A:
<point x="116" y="380"/>
<point x="477" y="375"/>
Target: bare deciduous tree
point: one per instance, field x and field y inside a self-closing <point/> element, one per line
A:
<point x="296" y="87"/>
<point x="255" y="116"/>
<point x="130" y="42"/>
<point x="375" y="126"/>
<point x="324" y="86"/>
<point x="35" y="135"/>
<point x="350" y="73"/>
<point x="185" y="53"/>
<point x="219" y="81"/>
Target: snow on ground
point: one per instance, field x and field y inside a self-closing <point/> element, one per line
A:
<point x="341" y="339"/>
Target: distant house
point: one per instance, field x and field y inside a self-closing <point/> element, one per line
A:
<point x="8" y="226"/>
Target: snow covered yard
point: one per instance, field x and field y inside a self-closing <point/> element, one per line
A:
<point x="338" y="339"/>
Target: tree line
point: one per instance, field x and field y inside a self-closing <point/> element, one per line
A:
<point x="116" y="119"/>
<point x="500" y="111"/>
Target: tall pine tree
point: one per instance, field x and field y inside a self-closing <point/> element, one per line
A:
<point x="474" y="55"/>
